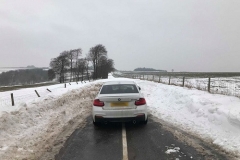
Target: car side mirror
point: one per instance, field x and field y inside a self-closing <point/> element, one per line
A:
<point x="139" y="88"/>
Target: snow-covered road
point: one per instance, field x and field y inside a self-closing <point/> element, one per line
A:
<point x="29" y="128"/>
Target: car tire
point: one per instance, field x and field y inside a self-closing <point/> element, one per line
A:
<point x="96" y="123"/>
<point x="145" y="122"/>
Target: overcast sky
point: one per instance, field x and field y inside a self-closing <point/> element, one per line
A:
<point x="189" y="35"/>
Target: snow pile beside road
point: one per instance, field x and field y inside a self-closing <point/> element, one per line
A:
<point x="28" y="94"/>
<point x="214" y="117"/>
<point x="32" y="130"/>
<point x="172" y="150"/>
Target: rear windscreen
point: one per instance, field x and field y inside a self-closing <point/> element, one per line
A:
<point x="119" y="88"/>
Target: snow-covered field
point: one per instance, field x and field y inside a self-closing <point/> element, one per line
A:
<point x="221" y="85"/>
<point x="30" y="128"/>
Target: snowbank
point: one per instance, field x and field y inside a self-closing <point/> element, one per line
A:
<point x="32" y="128"/>
<point x="28" y="94"/>
<point x="213" y="117"/>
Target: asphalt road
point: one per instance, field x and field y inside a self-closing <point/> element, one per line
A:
<point x="149" y="141"/>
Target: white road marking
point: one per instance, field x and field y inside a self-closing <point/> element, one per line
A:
<point x="124" y="142"/>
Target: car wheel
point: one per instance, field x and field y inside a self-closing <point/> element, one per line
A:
<point x="145" y="122"/>
<point x="96" y="123"/>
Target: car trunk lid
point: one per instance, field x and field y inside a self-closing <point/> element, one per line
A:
<point x="119" y="101"/>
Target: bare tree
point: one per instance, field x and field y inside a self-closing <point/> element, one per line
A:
<point x="78" y="53"/>
<point x="51" y="74"/>
<point x="73" y="55"/>
<point x="87" y="59"/>
<point x="102" y="66"/>
<point x="81" y="68"/>
<point x="110" y="65"/>
<point x="55" y="64"/>
<point x="94" y="54"/>
<point x="105" y="66"/>
<point x="59" y="65"/>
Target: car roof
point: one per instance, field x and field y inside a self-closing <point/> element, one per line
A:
<point x="119" y="82"/>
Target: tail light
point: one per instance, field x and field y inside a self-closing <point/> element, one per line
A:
<point x="98" y="103"/>
<point x="141" y="101"/>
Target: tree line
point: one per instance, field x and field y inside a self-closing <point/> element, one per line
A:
<point x="68" y="66"/>
<point x="23" y="77"/>
<point x="148" y="69"/>
<point x="72" y="66"/>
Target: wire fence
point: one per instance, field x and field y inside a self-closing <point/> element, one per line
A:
<point x="216" y="85"/>
<point x="16" y="97"/>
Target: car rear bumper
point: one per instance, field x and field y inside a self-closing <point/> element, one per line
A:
<point x="138" y="114"/>
<point x="138" y="118"/>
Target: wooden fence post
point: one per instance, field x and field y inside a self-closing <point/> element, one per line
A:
<point x="209" y="81"/>
<point x="65" y="86"/>
<point x="183" y="81"/>
<point x="12" y="99"/>
<point x="169" y="80"/>
<point x="37" y="93"/>
<point x="153" y="78"/>
<point x="143" y="77"/>
<point x="88" y="76"/>
<point x="159" y="79"/>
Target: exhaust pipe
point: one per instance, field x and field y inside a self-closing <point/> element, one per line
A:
<point x="134" y="121"/>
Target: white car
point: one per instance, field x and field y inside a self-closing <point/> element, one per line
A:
<point x="119" y="101"/>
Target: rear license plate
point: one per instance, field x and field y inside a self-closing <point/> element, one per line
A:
<point x="119" y="104"/>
